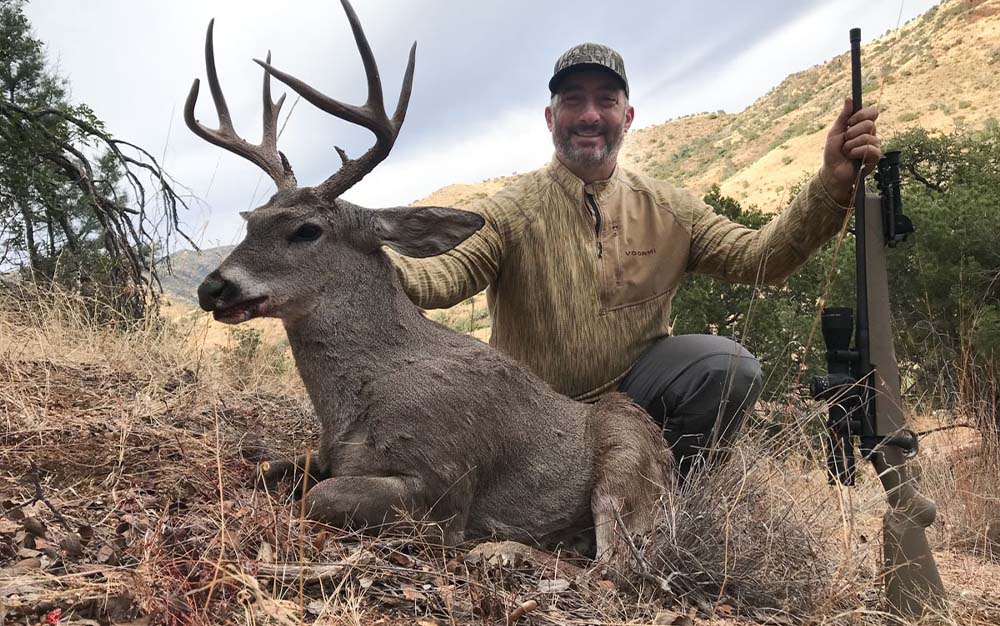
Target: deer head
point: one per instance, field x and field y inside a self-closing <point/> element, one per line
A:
<point x="306" y="241"/>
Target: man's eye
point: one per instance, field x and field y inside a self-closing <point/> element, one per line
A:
<point x="306" y="232"/>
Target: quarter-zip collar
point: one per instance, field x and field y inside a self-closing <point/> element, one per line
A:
<point x="575" y="187"/>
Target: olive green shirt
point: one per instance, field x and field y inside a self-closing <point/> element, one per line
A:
<point x="580" y="277"/>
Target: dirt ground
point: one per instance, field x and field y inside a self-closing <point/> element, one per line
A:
<point x="128" y="496"/>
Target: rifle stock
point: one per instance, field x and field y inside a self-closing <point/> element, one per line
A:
<point x="912" y="583"/>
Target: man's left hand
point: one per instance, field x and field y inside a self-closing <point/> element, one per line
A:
<point x="851" y="138"/>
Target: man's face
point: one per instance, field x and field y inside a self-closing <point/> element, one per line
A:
<point x="588" y="118"/>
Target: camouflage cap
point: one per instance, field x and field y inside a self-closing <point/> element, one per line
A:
<point x="588" y="54"/>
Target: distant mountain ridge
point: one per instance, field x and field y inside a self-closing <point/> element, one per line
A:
<point x="940" y="71"/>
<point x="181" y="274"/>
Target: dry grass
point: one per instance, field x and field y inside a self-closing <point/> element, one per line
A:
<point x="139" y="440"/>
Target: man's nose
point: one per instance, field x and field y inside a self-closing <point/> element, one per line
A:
<point x="589" y="113"/>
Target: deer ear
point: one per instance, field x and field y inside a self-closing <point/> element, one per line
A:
<point x="426" y="230"/>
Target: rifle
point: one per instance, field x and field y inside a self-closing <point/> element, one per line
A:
<point x="862" y="388"/>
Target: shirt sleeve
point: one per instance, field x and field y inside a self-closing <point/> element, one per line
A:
<point x="733" y="252"/>
<point x="446" y="279"/>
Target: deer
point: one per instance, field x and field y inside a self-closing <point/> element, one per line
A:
<point x="416" y="419"/>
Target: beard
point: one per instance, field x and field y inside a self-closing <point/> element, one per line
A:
<point x="588" y="156"/>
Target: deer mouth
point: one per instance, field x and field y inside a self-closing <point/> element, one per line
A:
<point x="241" y="311"/>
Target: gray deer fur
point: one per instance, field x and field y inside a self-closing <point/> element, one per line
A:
<point x="415" y="416"/>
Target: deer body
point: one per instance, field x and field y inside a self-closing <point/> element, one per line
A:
<point x="416" y="417"/>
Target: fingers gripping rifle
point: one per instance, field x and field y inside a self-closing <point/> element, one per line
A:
<point x="863" y="390"/>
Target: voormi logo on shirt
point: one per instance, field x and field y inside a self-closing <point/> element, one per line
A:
<point x="640" y="252"/>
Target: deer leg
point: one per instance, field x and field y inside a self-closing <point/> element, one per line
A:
<point x="371" y="502"/>
<point x="624" y="504"/>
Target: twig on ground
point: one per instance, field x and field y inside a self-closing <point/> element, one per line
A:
<point x="948" y="427"/>
<point x="644" y="571"/>
<point x="39" y="496"/>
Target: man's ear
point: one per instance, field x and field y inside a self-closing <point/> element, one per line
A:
<point x="424" y="230"/>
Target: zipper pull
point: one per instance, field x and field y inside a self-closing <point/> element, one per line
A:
<point x="591" y="203"/>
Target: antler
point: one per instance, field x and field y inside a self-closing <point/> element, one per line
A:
<point x="371" y="115"/>
<point x="265" y="155"/>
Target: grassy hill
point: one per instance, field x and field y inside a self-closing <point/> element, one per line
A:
<point x="938" y="71"/>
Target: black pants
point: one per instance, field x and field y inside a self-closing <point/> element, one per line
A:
<point x="698" y="388"/>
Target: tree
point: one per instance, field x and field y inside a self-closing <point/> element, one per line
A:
<point x="774" y="322"/>
<point x="946" y="283"/>
<point x="73" y="205"/>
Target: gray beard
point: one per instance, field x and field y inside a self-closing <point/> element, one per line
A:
<point x="588" y="157"/>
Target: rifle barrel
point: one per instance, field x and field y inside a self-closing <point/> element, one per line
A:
<point x="861" y="337"/>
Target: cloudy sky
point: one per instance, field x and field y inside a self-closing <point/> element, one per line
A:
<point x="479" y="88"/>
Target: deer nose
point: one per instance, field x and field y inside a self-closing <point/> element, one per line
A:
<point x="214" y="289"/>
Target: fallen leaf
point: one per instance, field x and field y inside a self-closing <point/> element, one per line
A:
<point x="411" y="594"/>
<point x="28" y="553"/>
<point x="8" y="527"/>
<point x="34" y="526"/>
<point x="265" y="552"/>
<point x="555" y="585"/>
<point x="667" y="617"/>
<point x="522" y="610"/>
<point x="72" y="545"/>
<point x="86" y="532"/>
<point x="22" y="567"/>
<point x="315" y="607"/>
<point x="320" y="542"/>
<point x="14" y="511"/>
<point x="106" y="554"/>
<point x="725" y="609"/>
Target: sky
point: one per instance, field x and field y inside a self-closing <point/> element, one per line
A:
<point x="480" y="85"/>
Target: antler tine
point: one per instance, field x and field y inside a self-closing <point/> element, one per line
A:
<point x="404" y="91"/>
<point x="225" y="121"/>
<point x="371" y="115"/>
<point x="374" y="101"/>
<point x="271" y="111"/>
<point x="265" y="155"/>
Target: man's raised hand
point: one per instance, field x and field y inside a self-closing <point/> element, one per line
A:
<point x="851" y="138"/>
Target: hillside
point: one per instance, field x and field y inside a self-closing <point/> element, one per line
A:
<point x="938" y="71"/>
<point x="185" y="269"/>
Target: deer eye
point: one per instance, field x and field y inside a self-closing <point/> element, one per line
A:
<point x="306" y="232"/>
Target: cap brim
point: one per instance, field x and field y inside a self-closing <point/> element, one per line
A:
<point x="566" y="71"/>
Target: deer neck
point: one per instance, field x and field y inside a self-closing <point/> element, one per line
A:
<point x="352" y="337"/>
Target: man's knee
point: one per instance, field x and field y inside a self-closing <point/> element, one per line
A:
<point x="723" y="387"/>
<point x="737" y="377"/>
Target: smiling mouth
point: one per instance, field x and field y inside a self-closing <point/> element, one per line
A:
<point x="241" y="312"/>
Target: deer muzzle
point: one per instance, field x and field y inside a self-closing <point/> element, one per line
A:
<point x="226" y="302"/>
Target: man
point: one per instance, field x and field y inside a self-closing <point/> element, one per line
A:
<point x="581" y="260"/>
